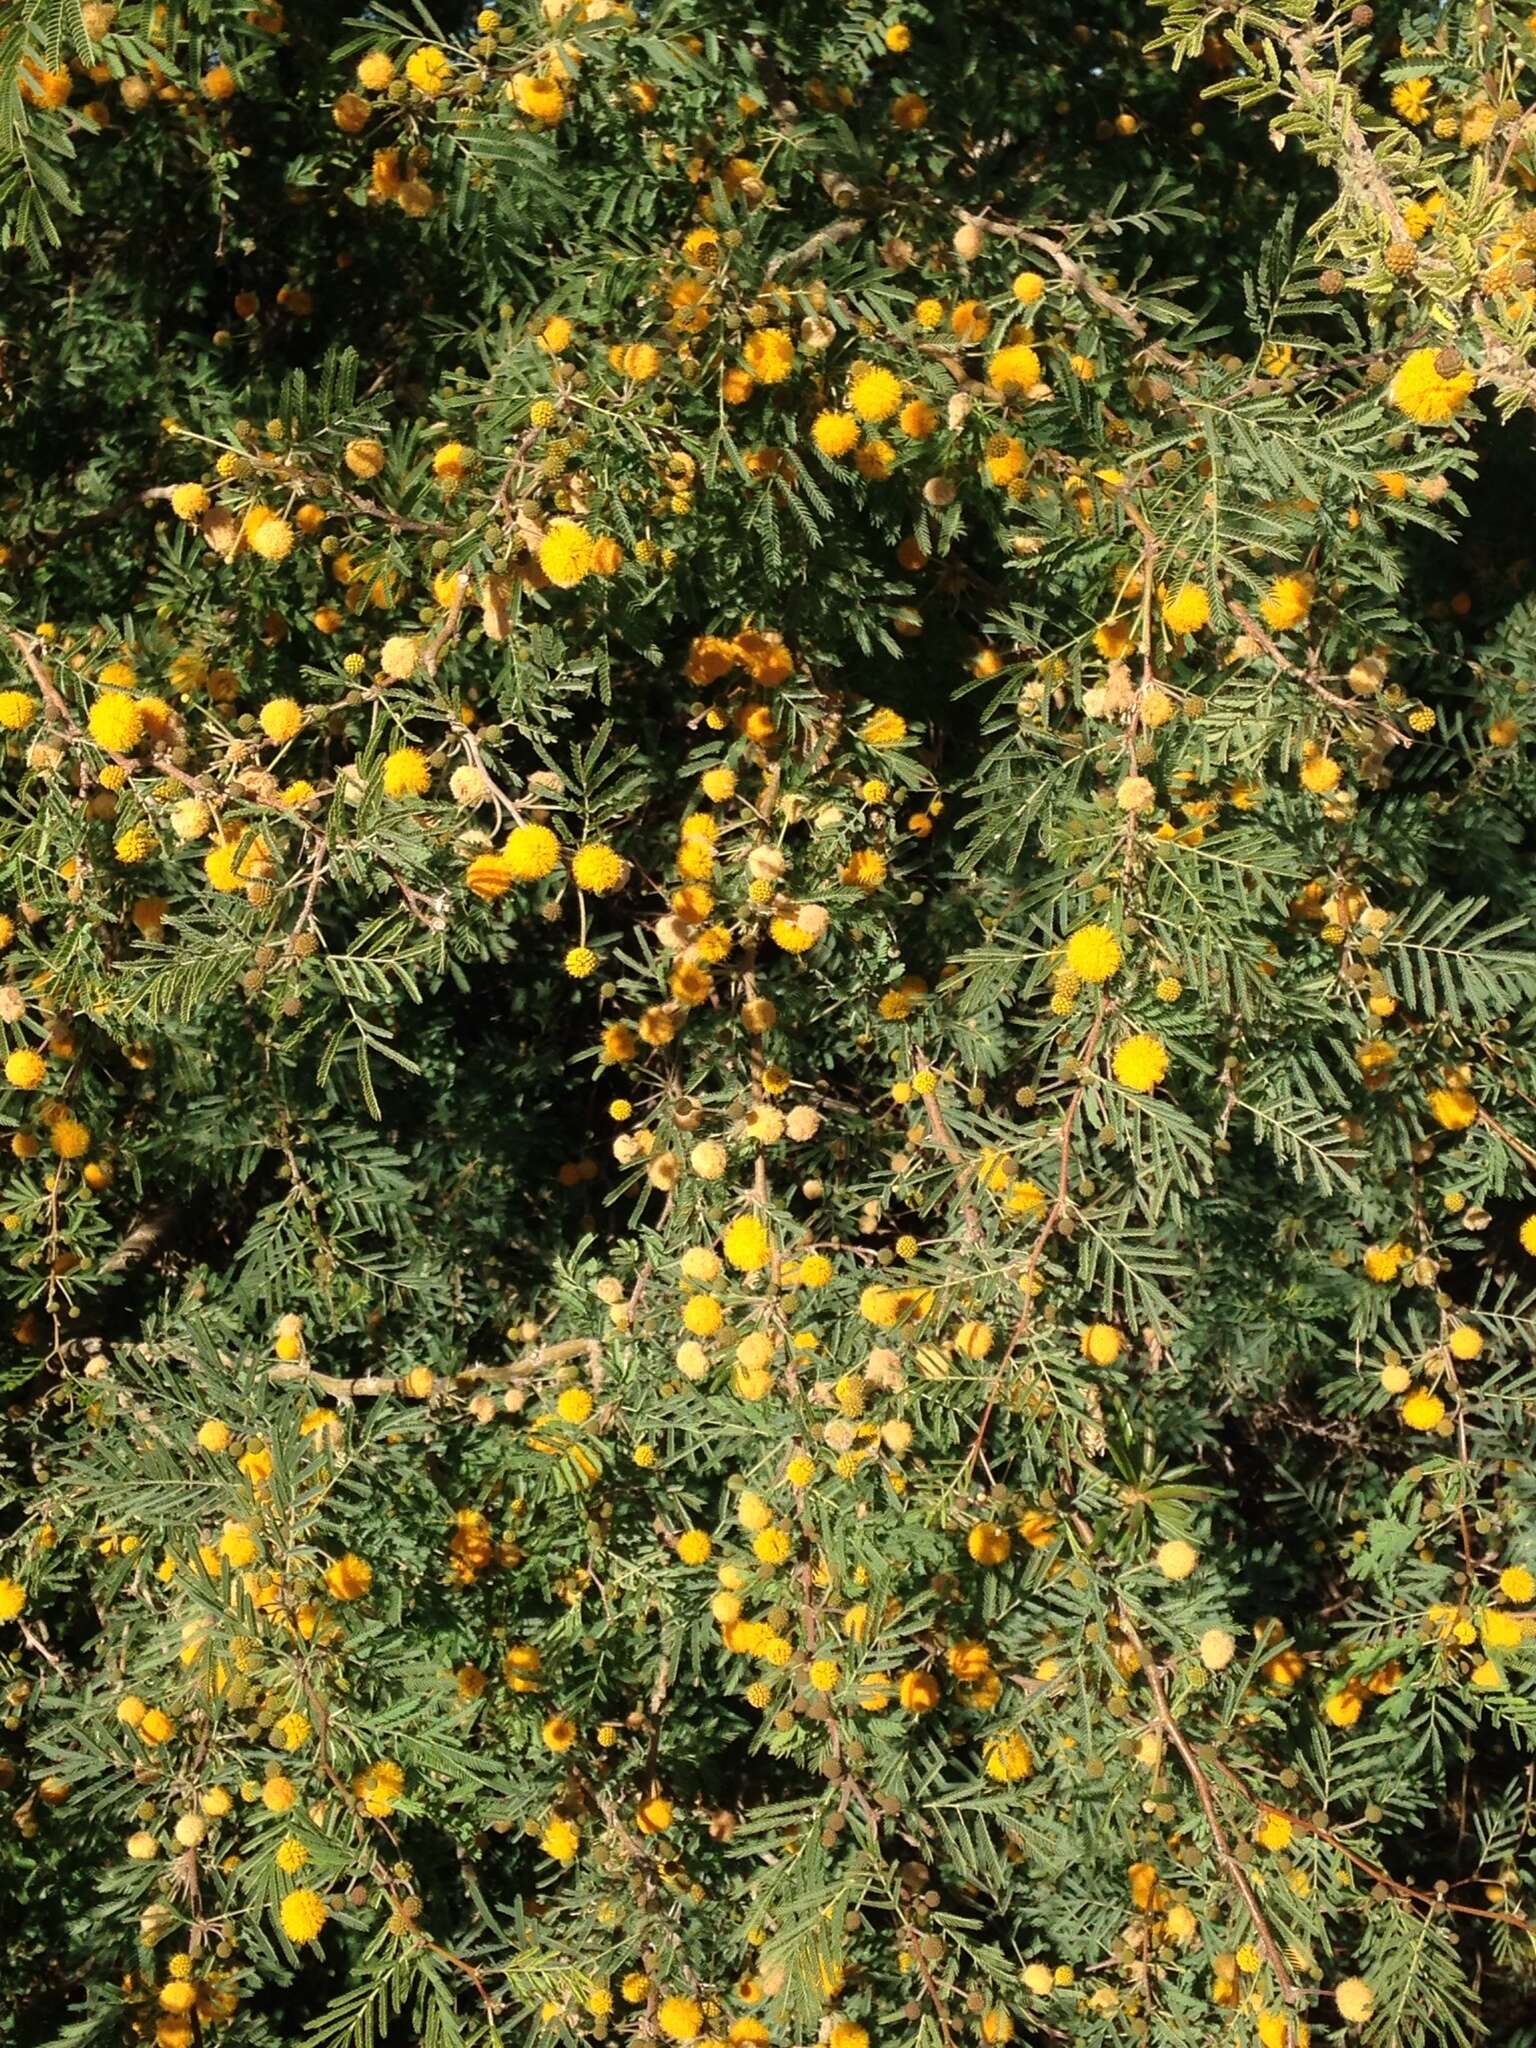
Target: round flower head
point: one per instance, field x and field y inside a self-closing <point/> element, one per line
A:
<point x="537" y="96"/>
<point x="1424" y="393"/>
<point x="267" y="534"/>
<point x="1217" y="1649"/>
<point x="1423" y="1410"/>
<point x="1007" y="1758"/>
<point x="680" y="2019"/>
<point x="406" y="772"/>
<point x="1014" y="370"/>
<point x="884" y="729"/>
<point x="429" y="70"/>
<point x="303" y="1914"/>
<point x="489" y="876"/>
<point x="1093" y="954"/>
<point x="281" y="718"/>
<point x="597" y="869"/>
<point x="747" y="1244"/>
<point x="399" y="655"/>
<point x="770" y="354"/>
<point x="1140" y="1063"/>
<point x="116" y="723"/>
<point x="1286" y="603"/>
<point x="531" y="853"/>
<point x="1186" y="609"/>
<point x="561" y="1840"/>
<point x="1355" y="1999"/>
<point x="25" y="1068"/>
<point x="835" y="433"/>
<point x="565" y="553"/>
<point x="365" y="457"/>
<point x="873" y="393"/>
<point x="348" y="1577"/>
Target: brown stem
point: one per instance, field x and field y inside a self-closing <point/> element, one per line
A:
<point x="1289" y="1989"/>
<point x="480" y="1375"/>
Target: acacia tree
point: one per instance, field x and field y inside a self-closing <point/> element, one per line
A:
<point x="770" y="1220"/>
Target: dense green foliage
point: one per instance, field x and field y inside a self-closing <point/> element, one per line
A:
<point x="766" y="1005"/>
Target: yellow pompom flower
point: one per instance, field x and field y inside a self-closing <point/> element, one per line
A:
<point x="189" y="501"/>
<point x="25" y="1068"/>
<point x="531" y="853"/>
<point x="1424" y="393"/>
<point x="303" y="1914"/>
<point x="597" y="870"/>
<point x="885" y="729"/>
<point x="918" y="1692"/>
<point x="989" y="1543"/>
<point x="429" y="70"/>
<point x="770" y="354"/>
<point x="873" y="393"/>
<point x="1093" y="953"/>
<point x="574" y="1406"/>
<point x="1273" y="1832"/>
<point x="561" y="1839"/>
<point x="406" y="772"/>
<point x="281" y="719"/>
<point x="1286" y="603"/>
<point x="703" y="1315"/>
<point x="489" y="876"/>
<point x="348" y="1577"/>
<point x="1423" y="1409"/>
<point x="268" y="534"/>
<point x="1454" y="1109"/>
<point x="1141" y="1063"/>
<point x="865" y="868"/>
<point x="364" y="456"/>
<point x="565" y="553"/>
<point x="1355" y="2000"/>
<point x="542" y="99"/>
<point x="1007" y="1758"/>
<point x="1186" y="609"/>
<point x="116" y="723"/>
<point x="747" y="1245"/>
<point x="1102" y="1343"/>
<point x="680" y="2019"/>
<point x="835" y="433"/>
<point x="239" y="859"/>
<point x="1015" y="369"/>
<point x="135" y="844"/>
